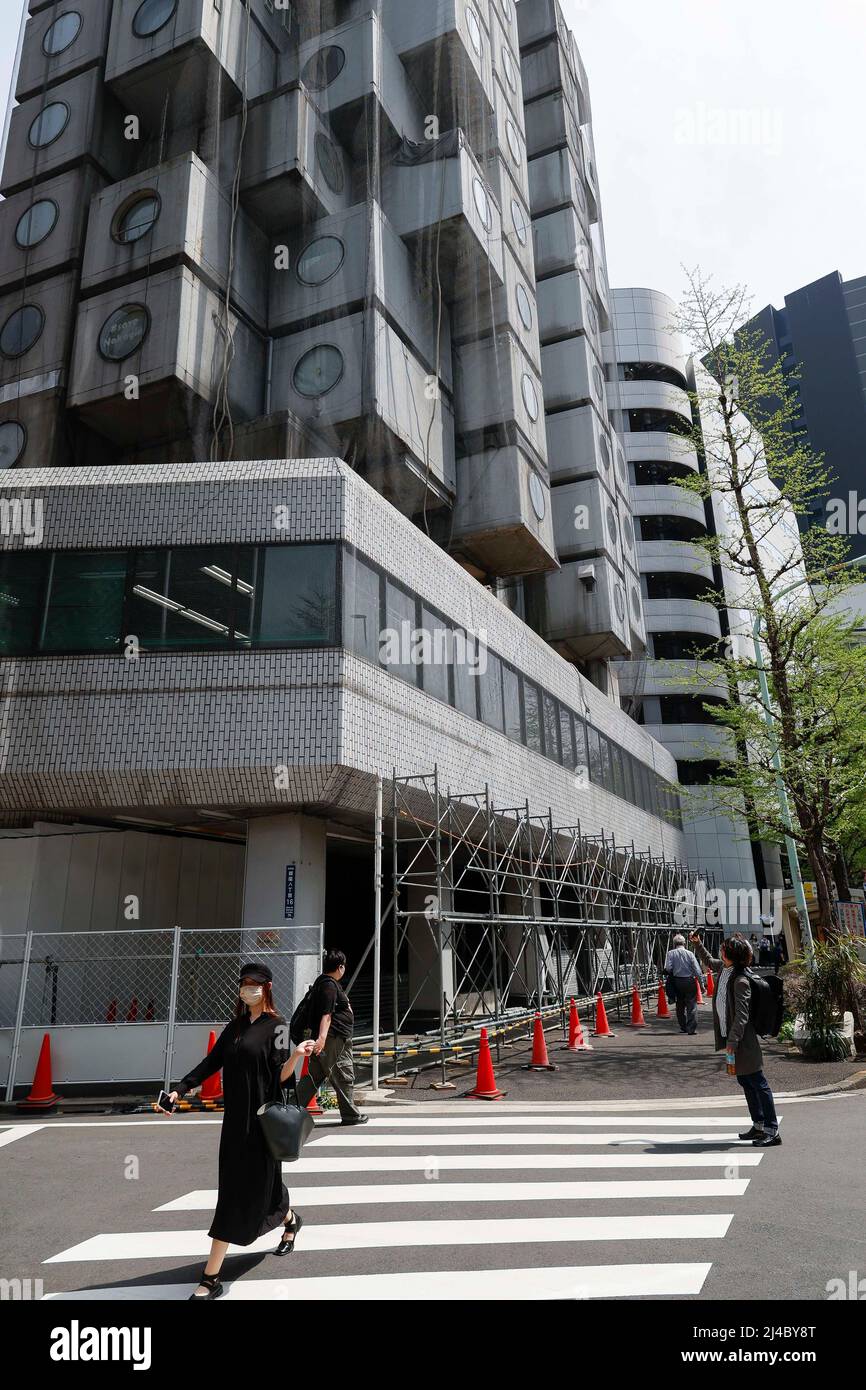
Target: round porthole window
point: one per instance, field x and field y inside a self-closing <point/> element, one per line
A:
<point x="12" y="441"/>
<point x="580" y="193"/>
<point x="319" y="370"/>
<point x="22" y="330"/>
<point x="150" y="17"/>
<point x="620" y="463"/>
<point x="635" y="605"/>
<point x="598" y="382"/>
<point x="627" y="532"/>
<point x="530" y="397"/>
<point x="135" y="219"/>
<point x="49" y="125"/>
<point x="591" y="316"/>
<point x="524" y="307"/>
<point x="508" y="68"/>
<point x="123" y="332"/>
<point x="536" y="496"/>
<point x="619" y="602"/>
<point x="36" y="223"/>
<point x="513" y="140"/>
<point x="604" y="450"/>
<point x="329" y="163"/>
<point x="61" y="34"/>
<point x="474" y="29"/>
<point x="321" y="259"/>
<point x="611" y="524"/>
<point x="518" y="220"/>
<point x="506" y="9"/>
<point x="482" y="204"/>
<point x="323" y="68"/>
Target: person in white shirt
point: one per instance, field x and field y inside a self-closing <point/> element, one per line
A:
<point x="682" y="965"/>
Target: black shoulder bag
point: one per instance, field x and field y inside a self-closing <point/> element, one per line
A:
<point x="286" y="1126"/>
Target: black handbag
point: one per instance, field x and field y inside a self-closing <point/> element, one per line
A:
<point x="286" y="1127"/>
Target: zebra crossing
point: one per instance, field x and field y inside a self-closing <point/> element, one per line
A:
<point x="479" y="1204"/>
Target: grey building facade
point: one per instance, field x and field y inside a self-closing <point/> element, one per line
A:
<point x="819" y="337"/>
<point x="311" y="469"/>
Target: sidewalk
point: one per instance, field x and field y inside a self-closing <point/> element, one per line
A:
<point x="654" y="1061"/>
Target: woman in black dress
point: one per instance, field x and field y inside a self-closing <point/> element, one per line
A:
<point x="255" y="1055"/>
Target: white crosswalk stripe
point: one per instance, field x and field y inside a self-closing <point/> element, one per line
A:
<point x="428" y="1240"/>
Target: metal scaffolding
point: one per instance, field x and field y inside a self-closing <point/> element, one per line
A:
<point x="496" y="913"/>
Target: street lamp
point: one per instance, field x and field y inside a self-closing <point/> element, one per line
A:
<point x="781" y="789"/>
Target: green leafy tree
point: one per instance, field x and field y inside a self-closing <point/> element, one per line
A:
<point x="761" y="474"/>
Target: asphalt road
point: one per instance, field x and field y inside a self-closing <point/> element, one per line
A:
<point x="467" y="1201"/>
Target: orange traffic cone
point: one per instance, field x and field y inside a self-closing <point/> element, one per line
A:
<point x="111" y="1016"/>
<point x="313" y="1104"/>
<point x="663" y="1011"/>
<point x="576" y="1040"/>
<point x="485" y="1081"/>
<point x="700" y="998"/>
<point x="540" y="1060"/>
<point x="41" y="1095"/>
<point x="637" y="1018"/>
<point x="602" y="1027"/>
<point x="150" y="1012"/>
<point x="132" y="1015"/>
<point x="711" y="984"/>
<point x="212" y="1088"/>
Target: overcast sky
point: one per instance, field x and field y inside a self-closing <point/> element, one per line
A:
<point x="729" y="133"/>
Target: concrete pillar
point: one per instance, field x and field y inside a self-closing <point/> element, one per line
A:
<point x="275" y="844"/>
<point x="424" y="951"/>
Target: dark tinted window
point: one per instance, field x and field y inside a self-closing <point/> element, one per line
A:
<point x="676" y="585"/>
<point x="22" y="587"/>
<point x="551" y="728"/>
<point x="653" y="371"/>
<point x="688" y="709"/>
<point x="532" y="711"/>
<point x="85" y="602"/>
<point x="654" y="421"/>
<point x="361" y="613"/>
<point x="670" y="528"/>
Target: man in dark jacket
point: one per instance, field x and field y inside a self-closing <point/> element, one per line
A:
<point x="331" y="1024"/>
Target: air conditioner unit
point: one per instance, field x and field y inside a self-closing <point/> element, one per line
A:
<point x="502" y="517"/>
<point x="586" y="521"/>
<point x="499" y="397"/>
<point x="42" y="227"/>
<point x="441" y="204"/>
<point x="572" y="375"/>
<point x="176" y="212"/>
<point x="148" y="359"/>
<point x="203" y="52"/>
<point x="338" y="261"/>
<point x="356" y="380"/>
<point x="71" y="123"/>
<point x="579" y="445"/>
<point x="510" y="306"/>
<point x="60" y="41"/>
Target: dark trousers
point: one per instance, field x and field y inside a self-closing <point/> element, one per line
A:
<point x="687" y="1002"/>
<point x="759" y="1099"/>
<point x="334" y="1064"/>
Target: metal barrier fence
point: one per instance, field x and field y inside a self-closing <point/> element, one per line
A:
<point x="164" y="978"/>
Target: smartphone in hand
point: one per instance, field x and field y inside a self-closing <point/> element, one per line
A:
<point x="166" y="1103"/>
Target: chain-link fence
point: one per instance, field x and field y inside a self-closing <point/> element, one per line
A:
<point x="162" y="978"/>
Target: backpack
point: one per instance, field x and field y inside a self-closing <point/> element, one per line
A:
<point x="300" y="1026"/>
<point x="767" y="1005"/>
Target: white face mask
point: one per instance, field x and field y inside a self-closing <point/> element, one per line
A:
<point x="251" y="994"/>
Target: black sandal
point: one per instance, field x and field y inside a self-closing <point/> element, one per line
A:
<point x="212" y="1283"/>
<point x="291" y="1228"/>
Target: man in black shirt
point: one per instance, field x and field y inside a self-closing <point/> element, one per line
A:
<point x="331" y="1023"/>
